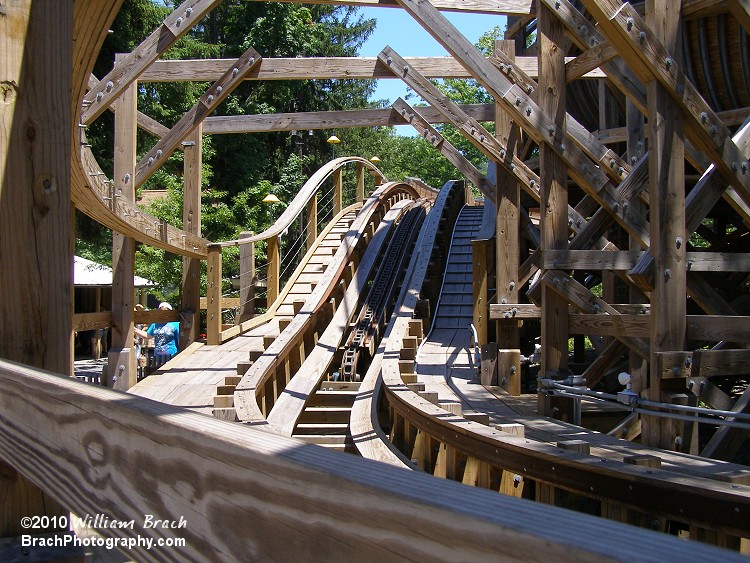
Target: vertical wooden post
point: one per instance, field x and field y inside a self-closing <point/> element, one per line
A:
<point x="667" y="220"/>
<point x="190" y="303"/>
<point x="247" y="278"/>
<point x="636" y="148"/>
<point x="213" y="296"/>
<point x="311" y="232"/>
<point x="360" y="193"/>
<point x="507" y="243"/>
<point x="479" y="288"/>
<point x="554" y="205"/>
<point x="120" y="361"/>
<point x="338" y="191"/>
<point x="36" y="121"/>
<point x="273" y="271"/>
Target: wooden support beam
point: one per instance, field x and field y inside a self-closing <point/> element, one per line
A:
<point x="36" y="238"/>
<point x="507" y="243"/>
<point x="586" y="302"/>
<point x="529" y="115"/>
<point x="651" y="55"/>
<point x="191" y="222"/>
<point x="213" y="294"/>
<point x="195" y="115"/>
<point x="247" y="278"/>
<point x="554" y="205"/>
<point x="471" y="129"/>
<point x="178" y="23"/>
<point x="415" y="117"/>
<point x="273" y="270"/>
<point x="319" y="68"/>
<point x="727" y="441"/>
<point x="593" y="58"/>
<point x="121" y="365"/>
<point x="338" y="191"/>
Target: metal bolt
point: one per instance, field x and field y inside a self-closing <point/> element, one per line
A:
<point x="629" y="22"/>
<point x="557" y="4"/>
<point x="506" y="315"/>
<point x="528" y="112"/>
<point x="668" y="62"/>
<point x="473" y="130"/>
<point x="735" y="166"/>
<point x="532" y="183"/>
<point x="150" y="160"/>
<point x="744" y="167"/>
<point x="592" y="41"/>
<point x="388" y="61"/>
<point x="714" y="130"/>
<point x="512" y="166"/>
<point x="512" y="370"/>
<point x="616" y="207"/>
<point x="678" y="242"/>
<point x="625" y="207"/>
<point x="210" y="98"/>
<point x="518" y="100"/>
<point x="678" y="440"/>
<point x="510" y="69"/>
<point x="158" y="153"/>
<point x="667" y="273"/>
<point x="219" y="89"/>
<point x="514" y="310"/>
<point x="597" y="307"/>
<point x="482" y="138"/>
<point x="612" y="162"/>
<point x="502" y="153"/>
<point x="433" y="138"/>
<point x="584" y="29"/>
<point x="633" y="159"/>
<point x="126" y="178"/>
<point x="406" y="69"/>
<point x="688" y="362"/>
<point x="704" y="117"/>
<point x="578" y="222"/>
<point x="188" y="11"/>
<point x="621" y="171"/>
<point x="529" y="89"/>
<point x="502" y="66"/>
<point x="179" y="21"/>
<point x="110" y="85"/>
<point x="642" y="36"/>
<point x="551" y="130"/>
<point x="99" y="96"/>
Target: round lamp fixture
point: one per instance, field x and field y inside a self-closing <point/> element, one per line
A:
<point x="334" y="140"/>
<point x="375" y="159"/>
<point x="271" y="198"/>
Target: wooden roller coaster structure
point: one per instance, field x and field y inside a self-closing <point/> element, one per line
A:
<point x="622" y="194"/>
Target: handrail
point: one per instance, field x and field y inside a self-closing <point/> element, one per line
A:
<point x="240" y="491"/>
<point x="305" y="194"/>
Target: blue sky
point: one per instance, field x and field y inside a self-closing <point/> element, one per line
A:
<point x="398" y="29"/>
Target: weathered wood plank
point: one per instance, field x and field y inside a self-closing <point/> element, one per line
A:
<point x="192" y="119"/>
<point x="179" y="22"/>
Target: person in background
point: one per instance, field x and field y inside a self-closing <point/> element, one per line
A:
<point x="166" y="337"/>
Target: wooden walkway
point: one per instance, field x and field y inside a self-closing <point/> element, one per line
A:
<point x="192" y="378"/>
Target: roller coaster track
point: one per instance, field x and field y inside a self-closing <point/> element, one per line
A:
<point x="374" y="310"/>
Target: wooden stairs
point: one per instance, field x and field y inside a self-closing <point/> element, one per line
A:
<point x="325" y="420"/>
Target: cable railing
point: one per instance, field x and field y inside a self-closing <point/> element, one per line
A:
<point x="283" y="255"/>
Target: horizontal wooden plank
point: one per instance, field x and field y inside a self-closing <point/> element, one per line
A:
<point x="707" y="363"/>
<point x="589" y="259"/>
<point x="634" y="326"/>
<point x="715" y="328"/>
<point x="302" y="121"/>
<point x="217" y="475"/>
<point x="226" y="302"/>
<point x="91" y="321"/>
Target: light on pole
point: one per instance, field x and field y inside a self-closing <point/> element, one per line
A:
<point x="333" y="140"/>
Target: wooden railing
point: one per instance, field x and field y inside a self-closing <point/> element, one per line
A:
<point x="243" y="493"/>
<point x="304" y="201"/>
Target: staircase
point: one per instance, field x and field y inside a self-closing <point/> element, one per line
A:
<point x="325" y="420"/>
